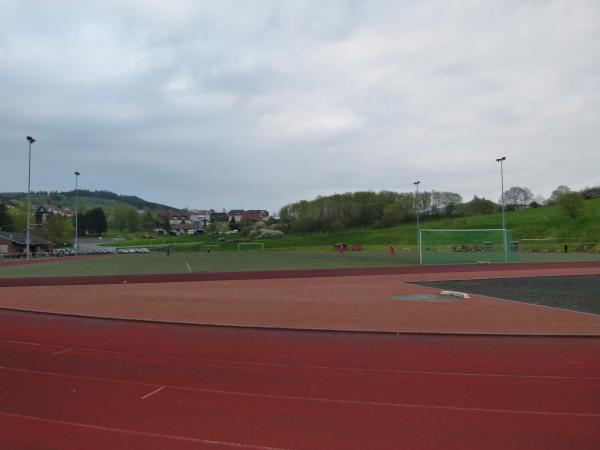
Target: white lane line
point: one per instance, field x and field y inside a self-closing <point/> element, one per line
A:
<point x="60" y="352"/>
<point x="27" y="343"/>
<point x="325" y="368"/>
<point x="155" y="391"/>
<point x="186" y="263"/>
<point x="313" y="399"/>
<point x="144" y="434"/>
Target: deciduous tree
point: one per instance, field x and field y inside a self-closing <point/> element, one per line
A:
<point x="480" y="206"/>
<point x="517" y="197"/>
<point x="5" y="220"/>
<point x="571" y="203"/>
<point x="58" y="229"/>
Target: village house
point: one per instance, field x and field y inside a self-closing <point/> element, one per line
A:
<point x="201" y="216"/>
<point x="12" y="243"/>
<point x="251" y="215"/>
<point x="255" y="215"/>
<point x="47" y="209"/>
<point x="236" y="214"/>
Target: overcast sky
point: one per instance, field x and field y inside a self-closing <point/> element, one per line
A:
<point x="255" y="104"/>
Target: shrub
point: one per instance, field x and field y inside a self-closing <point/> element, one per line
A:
<point x="269" y="234"/>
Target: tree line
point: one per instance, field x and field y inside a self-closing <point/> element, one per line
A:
<point x="61" y="197"/>
<point x="363" y="209"/>
<point x="386" y="208"/>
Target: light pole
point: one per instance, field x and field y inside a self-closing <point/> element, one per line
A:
<point x="76" y="218"/>
<point x="28" y="232"/>
<point x="501" y="160"/>
<point x="416" y="183"/>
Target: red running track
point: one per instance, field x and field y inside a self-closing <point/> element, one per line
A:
<point x="72" y="383"/>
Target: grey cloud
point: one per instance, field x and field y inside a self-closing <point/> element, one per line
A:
<point x="260" y="103"/>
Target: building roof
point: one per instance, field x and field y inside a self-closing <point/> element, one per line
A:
<point x="21" y="238"/>
<point x="255" y="214"/>
<point x="57" y="209"/>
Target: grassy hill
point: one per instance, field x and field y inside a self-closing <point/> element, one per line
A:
<point x="89" y="199"/>
<point x="533" y="223"/>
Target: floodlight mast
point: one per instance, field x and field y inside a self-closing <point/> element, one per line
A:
<point x="501" y="160"/>
<point x="416" y="183"/>
<point x="28" y="231"/>
<point x="76" y="218"/>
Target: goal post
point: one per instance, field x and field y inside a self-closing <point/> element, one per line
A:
<point x="466" y="246"/>
<point x="251" y="247"/>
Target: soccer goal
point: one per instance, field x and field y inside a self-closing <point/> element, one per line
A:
<point x="251" y="247"/>
<point x="466" y="246"/>
<point x="209" y="248"/>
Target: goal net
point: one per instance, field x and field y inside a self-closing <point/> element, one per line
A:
<point x="466" y="246"/>
<point x="251" y="247"/>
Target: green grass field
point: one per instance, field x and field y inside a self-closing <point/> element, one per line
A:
<point x="204" y="262"/>
<point x="232" y="262"/>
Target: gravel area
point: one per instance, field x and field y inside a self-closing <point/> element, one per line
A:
<point x="578" y="293"/>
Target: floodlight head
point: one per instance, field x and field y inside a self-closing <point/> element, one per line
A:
<point x="417" y="183"/>
<point x="77" y="174"/>
<point x="30" y="139"/>
<point x="501" y="159"/>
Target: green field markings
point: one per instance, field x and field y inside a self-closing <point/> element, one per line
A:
<point x="155" y="263"/>
<point x="187" y="265"/>
<point x="206" y="262"/>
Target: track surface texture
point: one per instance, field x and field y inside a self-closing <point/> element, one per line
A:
<point x="365" y="303"/>
<point x="578" y="293"/>
<point x="72" y="383"/>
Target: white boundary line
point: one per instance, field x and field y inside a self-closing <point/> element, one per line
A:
<point x="312" y="399"/>
<point x="186" y="263"/>
<point x="541" y="306"/>
<point x="60" y="352"/>
<point x="312" y="367"/>
<point x="145" y="434"/>
<point x="155" y="391"/>
<point x="464" y="229"/>
<point x="521" y="302"/>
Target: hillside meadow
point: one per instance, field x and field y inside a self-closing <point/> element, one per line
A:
<point x="547" y="223"/>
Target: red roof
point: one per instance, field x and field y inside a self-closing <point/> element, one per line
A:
<point x="255" y="214"/>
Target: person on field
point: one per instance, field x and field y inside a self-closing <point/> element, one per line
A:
<point x="392" y="250"/>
